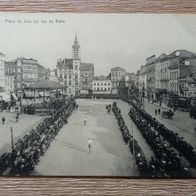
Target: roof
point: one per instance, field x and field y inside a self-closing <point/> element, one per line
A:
<point x="184" y="54"/>
<point x="65" y="63"/>
<point x="86" y="66"/>
<point x="1" y="54"/>
<point x="117" y="69"/>
<point x="23" y="59"/>
<point x="45" y="84"/>
<point x="101" y="77"/>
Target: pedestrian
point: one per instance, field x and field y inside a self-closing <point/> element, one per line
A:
<point x="3" y="120"/>
<point x="89" y="145"/>
<point x="17" y="117"/>
<point x="85" y="121"/>
<point x="155" y="112"/>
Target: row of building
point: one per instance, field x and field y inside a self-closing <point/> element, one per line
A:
<point x="77" y="76"/>
<point x="172" y="73"/>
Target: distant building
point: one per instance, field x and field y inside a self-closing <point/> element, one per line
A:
<point x="2" y="79"/>
<point x="74" y="74"/>
<point x="101" y="85"/>
<point x="117" y="74"/>
<point x="22" y="72"/>
<point x="143" y="78"/>
<point x="42" y="72"/>
<point x="52" y="75"/>
<point x="86" y="77"/>
<point x="150" y="77"/>
<point x="167" y="69"/>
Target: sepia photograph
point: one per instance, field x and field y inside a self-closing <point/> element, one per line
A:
<point x="98" y="95"/>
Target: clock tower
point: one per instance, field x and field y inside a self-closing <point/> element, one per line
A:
<point x="76" y="65"/>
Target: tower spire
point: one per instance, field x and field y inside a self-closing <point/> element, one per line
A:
<point x="76" y="47"/>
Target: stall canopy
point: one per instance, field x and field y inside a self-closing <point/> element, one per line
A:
<point x="45" y="84"/>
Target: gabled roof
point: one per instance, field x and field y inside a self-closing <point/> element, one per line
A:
<point x="65" y="64"/>
<point x="45" y="84"/>
<point x="101" y="77"/>
<point x="117" y="69"/>
<point x="86" y="66"/>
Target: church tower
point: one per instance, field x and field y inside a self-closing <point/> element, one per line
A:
<point x="76" y="49"/>
<point x="76" y="65"/>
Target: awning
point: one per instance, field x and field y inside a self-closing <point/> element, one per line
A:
<point x="14" y="96"/>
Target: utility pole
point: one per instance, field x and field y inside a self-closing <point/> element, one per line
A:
<point x="12" y="139"/>
<point x="133" y="147"/>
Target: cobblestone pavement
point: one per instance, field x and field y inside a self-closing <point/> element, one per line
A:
<point x="69" y="153"/>
<point x="20" y="128"/>
<point x="181" y="123"/>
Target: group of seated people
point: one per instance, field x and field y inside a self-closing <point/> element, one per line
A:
<point x="26" y="152"/>
<point x="134" y="147"/>
<point x="172" y="137"/>
<point x="167" y="162"/>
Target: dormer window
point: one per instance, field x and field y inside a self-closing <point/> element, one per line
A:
<point x="187" y="62"/>
<point x="177" y="53"/>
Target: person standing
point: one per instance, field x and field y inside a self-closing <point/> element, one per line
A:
<point x="89" y="145"/>
<point x="85" y="121"/>
<point x="3" y="120"/>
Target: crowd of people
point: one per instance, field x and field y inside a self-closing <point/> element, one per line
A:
<point x="134" y="147"/>
<point x="167" y="162"/>
<point x="26" y="152"/>
<point x="172" y="137"/>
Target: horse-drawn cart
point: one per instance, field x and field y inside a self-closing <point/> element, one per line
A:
<point x="167" y="114"/>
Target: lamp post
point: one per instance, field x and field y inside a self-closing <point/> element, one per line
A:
<point x="133" y="147"/>
<point x="12" y="139"/>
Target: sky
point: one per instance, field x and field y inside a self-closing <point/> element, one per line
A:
<point x="106" y="40"/>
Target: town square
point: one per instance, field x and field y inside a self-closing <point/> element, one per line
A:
<point x="88" y="102"/>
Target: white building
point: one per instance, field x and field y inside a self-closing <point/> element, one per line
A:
<point x="101" y="85"/>
<point x="68" y="70"/>
<point x="2" y="78"/>
<point x="143" y="78"/>
<point x="53" y="75"/>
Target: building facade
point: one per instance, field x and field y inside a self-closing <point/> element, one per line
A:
<point x="86" y="77"/>
<point x="21" y="72"/>
<point x="101" y="85"/>
<point x="73" y="73"/>
<point x="150" y="77"/>
<point x="117" y="74"/>
<point x="2" y="78"/>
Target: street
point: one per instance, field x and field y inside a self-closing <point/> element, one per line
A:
<point x="20" y="128"/>
<point x="181" y="123"/>
<point x="69" y="153"/>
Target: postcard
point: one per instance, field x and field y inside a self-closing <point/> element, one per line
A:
<point x="98" y="95"/>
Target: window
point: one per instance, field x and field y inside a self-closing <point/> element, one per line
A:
<point x="98" y="89"/>
<point x="95" y="84"/>
<point x="105" y="84"/>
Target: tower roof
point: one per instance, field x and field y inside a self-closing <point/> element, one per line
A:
<point x="76" y="45"/>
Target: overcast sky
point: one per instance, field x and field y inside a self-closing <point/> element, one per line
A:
<point x="107" y="40"/>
